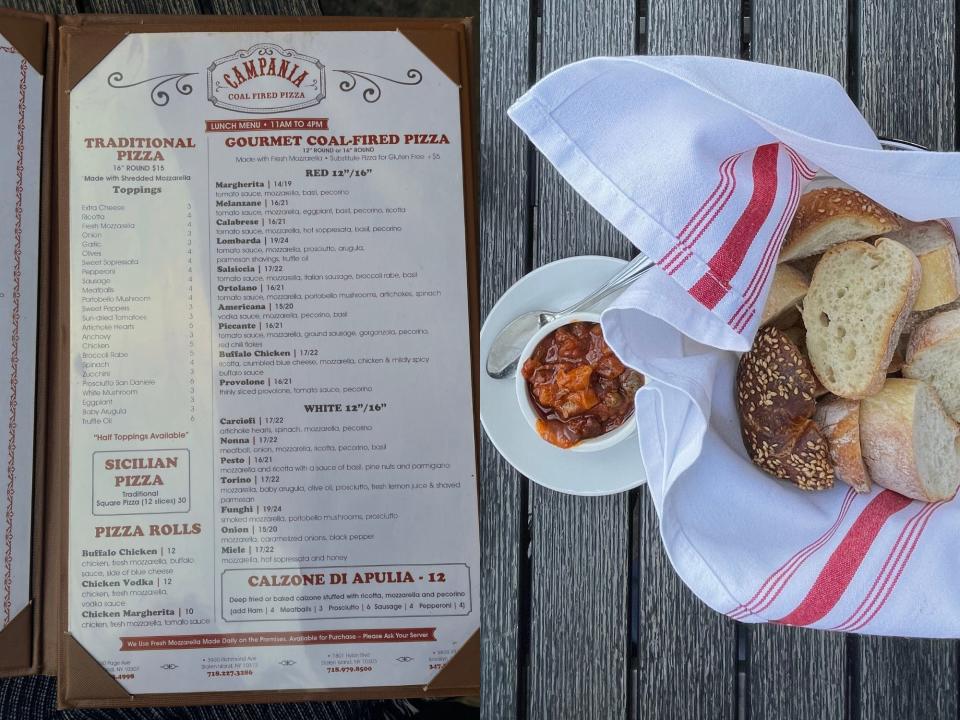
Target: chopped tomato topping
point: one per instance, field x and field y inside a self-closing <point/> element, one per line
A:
<point x="578" y="385"/>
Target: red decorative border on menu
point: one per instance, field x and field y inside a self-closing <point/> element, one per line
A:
<point x="14" y="348"/>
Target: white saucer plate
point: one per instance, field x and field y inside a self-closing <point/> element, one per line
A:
<point x="551" y="287"/>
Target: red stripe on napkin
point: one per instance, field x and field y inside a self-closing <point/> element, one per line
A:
<point x="843" y="564"/>
<point x="777" y="581"/>
<point x="911" y="532"/>
<point x="896" y="578"/>
<point x="805" y="170"/>
<point x="741" y="318"/>
<point x="725" y="263"/>
<point x="704" y="216"/>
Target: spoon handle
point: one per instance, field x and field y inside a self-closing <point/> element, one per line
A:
<point x="627" y="274"/>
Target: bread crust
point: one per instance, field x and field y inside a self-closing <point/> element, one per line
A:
<point x="886" y="437"/>
<point x="892" y="331"/>
<point x="916" y="319"/>
<point x="787" y="290"/>
<point x="839" y="421"/>
<point x="931" y="332"/>
<point x="775" y="399"/>
<point x="887" y="423"/>
<point x="928" y="336"/>
<point x="820" y="208"/>
<point x="935" y="245"/>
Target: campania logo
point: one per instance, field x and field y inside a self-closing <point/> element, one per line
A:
<point x="266" y="78"/>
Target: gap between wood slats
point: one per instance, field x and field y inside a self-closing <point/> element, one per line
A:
<point x="956" y="144"/>
<point x="741" y="631"/>
<point x="633" y="505"/>
<point x="524" y="581"/>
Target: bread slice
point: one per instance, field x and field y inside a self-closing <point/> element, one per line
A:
<point x="829" y="216"/>
<point x="839" y="421"/>
<point x="933" y="355"/>
<point x="909" y="443"/>
<point x="787" y="290"/>
<point x="935" y="246"/>
<point x="854" y="311"/>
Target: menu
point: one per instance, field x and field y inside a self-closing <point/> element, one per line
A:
<point x="21" y="102"/>
<point x="271" y="435"/>
<point x="238" y="311"/>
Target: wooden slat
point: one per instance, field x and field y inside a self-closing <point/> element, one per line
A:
<point x="906" y="90"/>
<point x="506" y="36"/>
<point x="794" y="673"/>
<point x="171" y="7"/>
<point x="693" y="27"/>
<point x="686" y="653"/>
<point x="266" y="7"/>
<point x="579" y="546"/>
<point x="403" y="8"/>
<point x="52" y="7"/>
<point x="820" y="47"/>
<point x="902" y="678"/>
<point x="906" y="70"/>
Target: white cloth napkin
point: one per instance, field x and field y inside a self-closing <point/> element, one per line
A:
<point x="700" y="163"/>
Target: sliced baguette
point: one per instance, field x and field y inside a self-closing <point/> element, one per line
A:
<point x="933" y="355"/>
<point x="854" y="311"/>
<point x="839" y="421"/>
<point x="788" y="288"/>
<point x="935" y="246"/>
<point x="829" y="216"/>
<point x="909" y="443"/>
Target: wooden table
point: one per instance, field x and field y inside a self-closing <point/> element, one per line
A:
<point x="582" y="615"/>
<point x="26" y="698"/>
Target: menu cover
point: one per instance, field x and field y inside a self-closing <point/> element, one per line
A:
<point x="25" y="55"/>
<point x="262" y="369"/>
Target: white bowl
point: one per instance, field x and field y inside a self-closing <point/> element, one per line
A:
<point x="601" y="442"/>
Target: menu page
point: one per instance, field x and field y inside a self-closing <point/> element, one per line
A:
<point x="21" y="105"/>
<point x="272" y="462"/>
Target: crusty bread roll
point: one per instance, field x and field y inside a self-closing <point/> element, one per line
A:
<point x="917" y="317"/>
<point x="829" y="216"/>
<point x="909" y="443"/>
<point x="914" y="320"/>
<point x="854" y="311"/>
<point x="933" y="355"/>
<point x="839" y="421"/>
<point x="788" y="288"/>
<point x="797" y="334"/>
<point x="935" y="246"/>
<point x="775" y="400"/>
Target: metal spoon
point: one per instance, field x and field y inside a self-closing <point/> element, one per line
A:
<point x="509" y="343"/>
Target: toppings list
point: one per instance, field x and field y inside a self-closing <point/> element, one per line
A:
<point x="272" y="462"/>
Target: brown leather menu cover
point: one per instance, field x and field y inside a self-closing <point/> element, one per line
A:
<point x="21" y="641"/>
<point x="83" y="42"/>
<point x="65" y="49"/>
